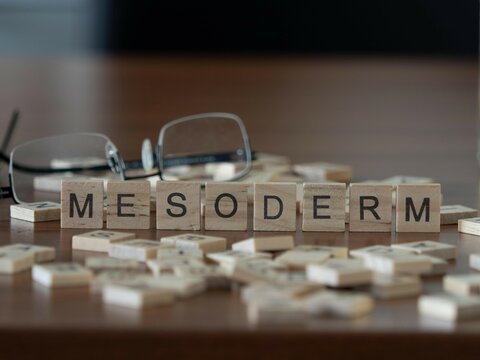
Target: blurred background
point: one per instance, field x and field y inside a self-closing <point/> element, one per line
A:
<point x="325" y="75"/>
<point x="409" y="27"/>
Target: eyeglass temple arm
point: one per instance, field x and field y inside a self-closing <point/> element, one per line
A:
<point x="49" y="170"/>
<point x="6" y="192"/>
<point x="202" y="159"/>
<point x="12" y="124"/>
<point x="184" y="160"/>
<point x="189" y="160"/>
<point x="134" y="164"/>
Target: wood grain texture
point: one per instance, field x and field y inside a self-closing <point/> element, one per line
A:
<point x="320" y="171"/>
<point x="36" y="212"/>
<point x="89" y="201"/>
<point x="99" y="240"/>
<point x="187" y="194"/>
<point x="450" y="214"/>
<point x="376" y="197"/>
<point x="226" y="206"/>
<point x="205" y="243"/>
<point x="469" y="226"/>
<point x="362" y="112"/>
<point x="275" y="207"/>
<point x="316" y="195"/>
<point x="128" y="205"/>
<point x="411" y="199"/>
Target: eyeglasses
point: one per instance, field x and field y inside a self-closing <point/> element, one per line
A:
<point x="210" y="146"/>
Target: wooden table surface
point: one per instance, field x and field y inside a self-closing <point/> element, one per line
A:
<point x="382" y="116"/>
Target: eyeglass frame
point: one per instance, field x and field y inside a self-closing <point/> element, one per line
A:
<point x="117" y="165"/>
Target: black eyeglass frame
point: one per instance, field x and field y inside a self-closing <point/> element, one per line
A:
<point x="163" y="163"/>
<point x="117" y="165"/>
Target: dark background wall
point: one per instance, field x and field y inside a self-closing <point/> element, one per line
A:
<point x="386" y="27"/>
<point x="432" y="27"/>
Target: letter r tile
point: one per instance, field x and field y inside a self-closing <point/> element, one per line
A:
<point x="371" y="207"/>
<point x="82" y="204"/>
<point x="418" y="207"/>
<point x="275" y="207"/>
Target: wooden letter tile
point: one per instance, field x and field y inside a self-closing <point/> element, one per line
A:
<point x="226" y="206"/>
<point x="321" y="171"/>
<point x="106" y="263"/>
<point x="51" y="183"/>
<point x="36" y="212"/>
<point x="298" y="258"/>
<point x="205" y="243"/>
<point x="351" y="305"/>
<point x="231" y="257"/>
<point x="137" y="295"/>
<point x="469" y="226"/>
<point x="377" y="250"/>
<point x="275" y="207"/>
<point x="258" y="291"/>
<point x="61" y="275"/>
<point x="474" y="261"/>
<point x="128" y="205"/>
<point x="395" y="263"/>
<point x="439" y="267"/>
<point x="117" y="277"/>
<point x="402" y="179"/>
<point x="138" y="249"/>
<point x="418" y="208"/>
<point x="450" y="214"/>
<point x="395" y="287"/>
<point x="265" y="243"/>
<point x="162" y="266"/>
<point x="99" y="240"/>
<point x="255" y="270"/>
<point x="183" y="287"/>
<point x="449" y="307"/>
<point x="276" y="310"/>
<point x="40" y="253"/>
<point x="340" y="273"/>
<point x="462" y="284"/>
<point x="370" y="207"/>
<point x="178" y="205"/>
<point x="82" y="204"/>
<point x="334" y="251"/>
<point x="323" y="207"/>
<point x="427" y="247"/>
<point x="12" y="262"/>
<point x="173" y="253"/>
<point x="214" y="276"/>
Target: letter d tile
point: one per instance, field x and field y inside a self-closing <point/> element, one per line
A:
<point x="275" y="207"/>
